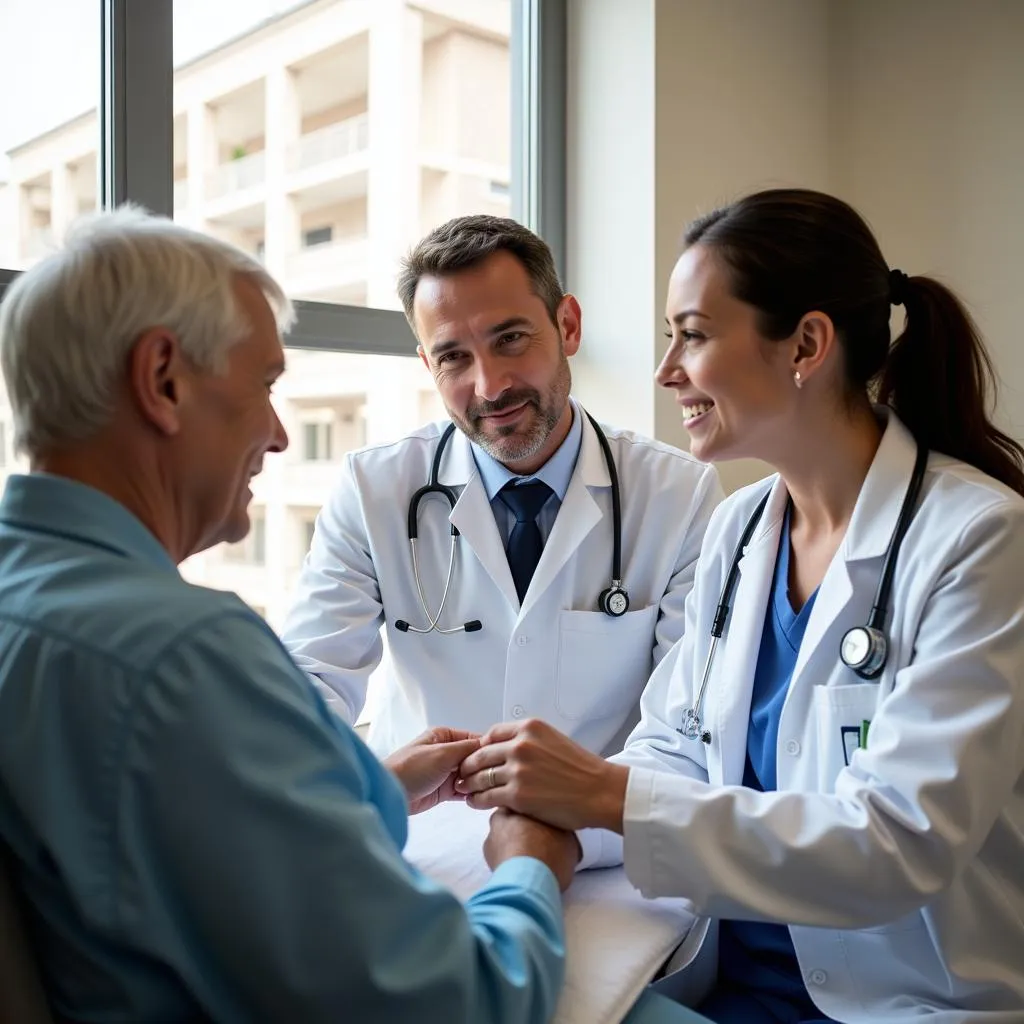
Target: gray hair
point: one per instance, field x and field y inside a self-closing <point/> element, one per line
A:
<point x="68" y="324"/>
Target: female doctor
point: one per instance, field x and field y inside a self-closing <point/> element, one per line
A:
<point x="857" y="838"/>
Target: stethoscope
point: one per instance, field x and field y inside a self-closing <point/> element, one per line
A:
<point x="863" y="648"/>
<point x="613" y="601"/>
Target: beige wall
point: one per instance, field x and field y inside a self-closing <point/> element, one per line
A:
<point x="928" y="112"/>
<point x="911" y="110"/>
<point x="739" y="105"/>
<point x="610" y="205"/>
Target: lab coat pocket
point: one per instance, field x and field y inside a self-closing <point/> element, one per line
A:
<point x="842" y="716"/>
<point x="592" y="646"/>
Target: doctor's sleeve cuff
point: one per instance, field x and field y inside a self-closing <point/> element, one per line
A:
<point x="599" y="848"/>
<point x="637" y="836"/>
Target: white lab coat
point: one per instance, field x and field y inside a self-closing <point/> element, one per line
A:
<point x="902" y="874"/>
<point x="557" y="657"/>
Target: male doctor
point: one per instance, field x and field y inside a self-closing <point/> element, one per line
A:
<point x="531" y="498"/>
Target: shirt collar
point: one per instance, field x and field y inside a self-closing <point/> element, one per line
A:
<point x="66" y="508"/>
<point x="556" y="472"/>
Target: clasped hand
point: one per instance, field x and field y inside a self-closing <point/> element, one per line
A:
<point x="533" y="769"/>
<point x="428" y="767"/>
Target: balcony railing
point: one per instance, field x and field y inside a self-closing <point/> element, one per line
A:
<point x="334" y="142"/>
<point x="342" y="261"/>
<point x="237" y="175"/>
<point x="309" y="483"/>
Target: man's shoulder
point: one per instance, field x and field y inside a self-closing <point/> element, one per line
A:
<point x="125" y="611"/>
<point x="645" y="454"/>
<point x="379" y="467"/>
<point x="418" y="443"/>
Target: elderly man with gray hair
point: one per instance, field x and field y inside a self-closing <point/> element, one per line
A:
<point x="194" y="835"/>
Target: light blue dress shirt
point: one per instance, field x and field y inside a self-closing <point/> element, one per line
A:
<point x="194" y="833"/>
<point x="556" y="473"/>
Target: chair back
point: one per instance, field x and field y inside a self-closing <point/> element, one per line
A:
<point x="22" y="999"/>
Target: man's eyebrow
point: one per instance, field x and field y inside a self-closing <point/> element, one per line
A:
<point x="507" y="325"/>
<point x="679" y="318"/>
<point x="499" y="328"/>
<point x="443" y="346"/>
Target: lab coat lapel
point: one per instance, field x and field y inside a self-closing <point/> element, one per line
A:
<point x="871" y="528"/>
<point x="733" y="677"/>
<point x="473" y="516"/>
<point x="577" y="516"/>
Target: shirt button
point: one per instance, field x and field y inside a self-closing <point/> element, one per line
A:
<point x="792" y="748"/>
<point x="518" y="711"/>
<point x="522" y="639"/>
<point x="817" y="977"/>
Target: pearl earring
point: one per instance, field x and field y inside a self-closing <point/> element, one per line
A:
<point x="797" y="379"/>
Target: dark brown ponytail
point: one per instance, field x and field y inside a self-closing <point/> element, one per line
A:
<point x="791" y="251"/>
<point x="938" y="378"/>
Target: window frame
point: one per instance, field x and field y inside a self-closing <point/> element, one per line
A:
<point x="136" y="148"/>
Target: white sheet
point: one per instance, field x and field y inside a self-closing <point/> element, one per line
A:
<point x="615" y="939"/>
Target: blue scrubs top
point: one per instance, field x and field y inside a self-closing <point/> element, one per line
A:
<point x="759" y="979"/>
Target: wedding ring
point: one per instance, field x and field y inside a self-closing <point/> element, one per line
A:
<point x="491" y="781"/>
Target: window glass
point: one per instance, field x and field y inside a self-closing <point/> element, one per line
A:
<point x="328" y="137"/>
<point x="49" y="132"/>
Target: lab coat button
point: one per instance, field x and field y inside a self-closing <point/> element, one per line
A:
<point x="817" y="977"/>
<point x="518" y="711"/>
<point x="792" y="748"/>
<point x="522" y="639"/>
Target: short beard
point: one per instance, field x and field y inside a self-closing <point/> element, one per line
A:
<point x="509" y="447"/>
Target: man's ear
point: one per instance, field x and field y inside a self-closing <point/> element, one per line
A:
<point x="423" y="356"/>
<point x="570" y="324"/>
<point x="157" y="376"/>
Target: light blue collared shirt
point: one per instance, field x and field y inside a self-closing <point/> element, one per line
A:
<point x="194" y="833"/>
<point x="556" y="473"/>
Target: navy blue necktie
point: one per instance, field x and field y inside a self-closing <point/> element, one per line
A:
<point x="524" y="542"/>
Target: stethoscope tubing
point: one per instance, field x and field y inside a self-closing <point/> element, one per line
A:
<point x="433" y="486"/>
<point x="693" y="725"/>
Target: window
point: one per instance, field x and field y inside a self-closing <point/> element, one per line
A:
<point x="323" y="137"/>
<point x="317" y="236"/>
<point x="49" y="133"/>
<point x="341" y="132"/>
<point x="316" y="436"/>
<point x="305" y="522"/>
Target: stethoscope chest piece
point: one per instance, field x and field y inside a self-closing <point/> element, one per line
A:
<point x="614" y="601"/>
<point x="692" y="727"/>
<point x="864" y="649"/>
